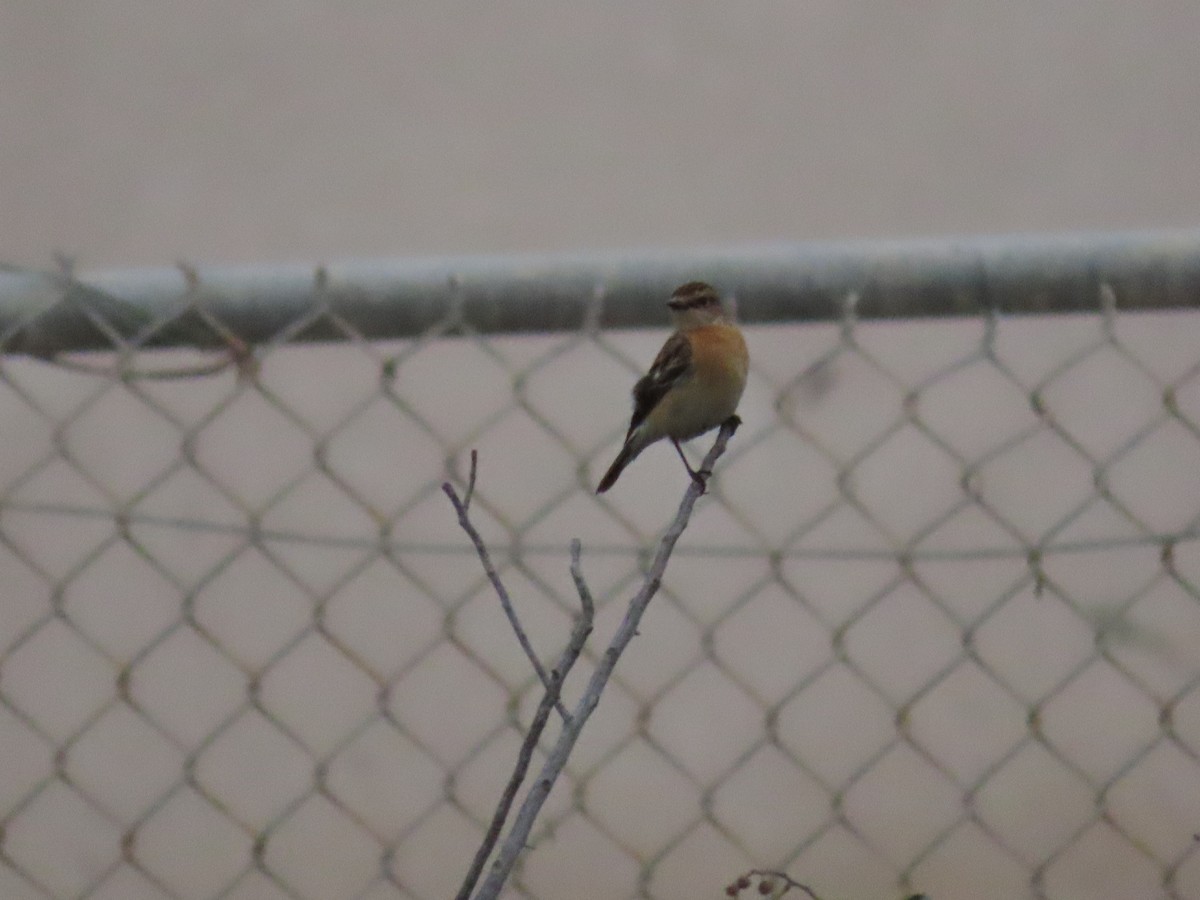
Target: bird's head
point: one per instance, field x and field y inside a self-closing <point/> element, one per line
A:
<point x="696" y="303"/>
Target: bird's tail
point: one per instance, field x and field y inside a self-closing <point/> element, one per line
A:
<point x="624" y="458"/>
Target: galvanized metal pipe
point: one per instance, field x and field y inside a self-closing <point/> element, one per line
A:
<point x="45" y="313"/>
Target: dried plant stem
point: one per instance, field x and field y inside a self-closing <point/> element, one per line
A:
<point x="579" y="636"/>
<point x="463" y="508"/>
<point x="518" y="835"/>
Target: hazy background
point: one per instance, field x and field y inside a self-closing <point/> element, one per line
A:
<point x="176" y="688"/>
<point x="141" y="132"/>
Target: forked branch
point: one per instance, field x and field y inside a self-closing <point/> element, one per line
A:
<point x="463" y="508"/>
<point x="572" y="722"/>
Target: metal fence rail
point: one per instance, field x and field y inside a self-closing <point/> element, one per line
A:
<point x="505" y="295"/>
<point x="934" y="629"/>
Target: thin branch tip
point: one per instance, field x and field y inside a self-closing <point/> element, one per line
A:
<point x="462" y="509"/>
<point x="581" y="585"/>
<point x="471" y="479"/>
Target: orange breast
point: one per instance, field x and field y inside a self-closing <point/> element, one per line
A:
<point x="718" y="352"/>
<point x="711" y="395"/>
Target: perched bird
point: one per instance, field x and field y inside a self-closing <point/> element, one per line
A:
<point x="694" y="383"/>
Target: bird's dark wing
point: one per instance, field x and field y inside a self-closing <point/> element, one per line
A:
<point x="672" y="363"/>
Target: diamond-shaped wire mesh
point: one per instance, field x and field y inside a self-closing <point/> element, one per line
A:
<point x="935" y="628"/>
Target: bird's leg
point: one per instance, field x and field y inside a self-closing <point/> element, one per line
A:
<point x="696" y="476"/>
<point x="701" y="476"/>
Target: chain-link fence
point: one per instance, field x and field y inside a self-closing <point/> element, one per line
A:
<point x="935" y="628"/>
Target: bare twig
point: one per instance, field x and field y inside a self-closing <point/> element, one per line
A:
<point x="471" y="479"/>
<point x="585" y="594"/>
<point x="463" y="507"/>
<point x="518" y="835"/>
<point x="579" y="636"/>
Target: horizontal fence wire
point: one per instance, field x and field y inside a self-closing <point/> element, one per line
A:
<point x="933" y="630"/>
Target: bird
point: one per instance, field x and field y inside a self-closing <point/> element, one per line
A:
<point x="693" y="385"/>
